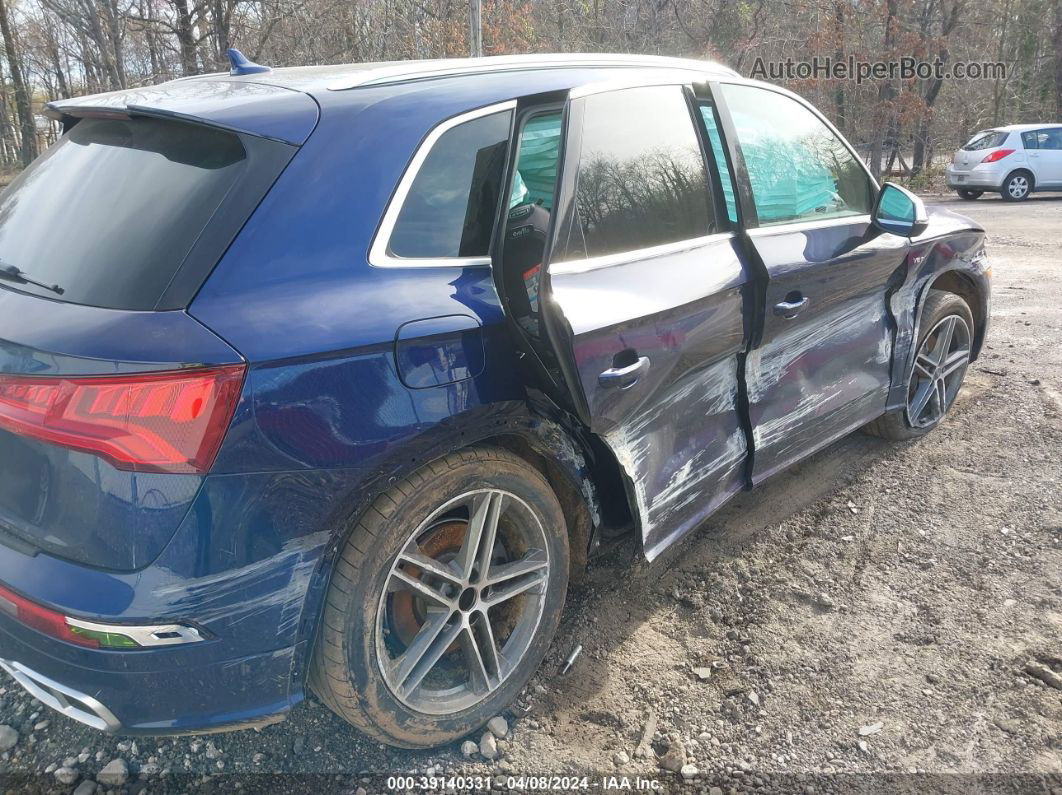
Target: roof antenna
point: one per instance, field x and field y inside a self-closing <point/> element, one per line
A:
<point x="242" y="66"/>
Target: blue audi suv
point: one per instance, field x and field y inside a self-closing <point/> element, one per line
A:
<point x="332" y="378"/>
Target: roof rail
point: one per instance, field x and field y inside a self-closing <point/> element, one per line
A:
<point x="420" y="70"/>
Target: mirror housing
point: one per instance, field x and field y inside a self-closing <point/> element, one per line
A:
<point x="900" y="212"/>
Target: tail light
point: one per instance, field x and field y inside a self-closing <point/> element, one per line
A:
<point x="145" y="422"/>
<point x="999" y="154"/>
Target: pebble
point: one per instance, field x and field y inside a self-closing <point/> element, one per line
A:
<point x="488" y="746"/>
<point x="114" y="774"/>
<point x="468" y="749"/>
<point x="873" y="728"/>
<point x="8" y="738"/>
<point x="66" y="776"/>
<point x="715" y="791"/>
<point x="498" y="726"/>
<point x="86" y="787"/>
<point x="689" y="772"/>
<point x="40" y="726"/>
<point x="620" y="758"/>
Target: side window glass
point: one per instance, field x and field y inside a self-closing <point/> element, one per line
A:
<point x="799" y="170"/>
<point x="641" y="179"/>
<point x="1051" y="139"/>
<point x="527" y="225"/>
<point x="451" y="205"/>
<point x="1029" y="139"/>
<point x="711" y="124"/>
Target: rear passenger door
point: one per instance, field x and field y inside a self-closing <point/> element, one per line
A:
<point x="820" y="362"/>
<point x="1044" y="150"/>
<point x="642" y="300"/>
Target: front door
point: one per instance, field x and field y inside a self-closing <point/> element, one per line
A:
<point x="821" y="358"/>
<point x="643" y="298"/>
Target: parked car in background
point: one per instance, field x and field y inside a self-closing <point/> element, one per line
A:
<point x="1014" y="161"/>
<point x="335" y="376"/>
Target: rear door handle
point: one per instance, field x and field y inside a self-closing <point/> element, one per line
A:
<point x="790" y="309"/>
<point x="624" y="377"/>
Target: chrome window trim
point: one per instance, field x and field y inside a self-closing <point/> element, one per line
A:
<point x="380" y="255"/>
<point x="624" y="257"/>
<point x="802" y="226"/>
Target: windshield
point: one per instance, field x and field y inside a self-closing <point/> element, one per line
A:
<point x="989" y="139"/>
<point x="111" y="211"/>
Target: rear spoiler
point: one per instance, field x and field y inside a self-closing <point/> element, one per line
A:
<point x="266" y="111"/>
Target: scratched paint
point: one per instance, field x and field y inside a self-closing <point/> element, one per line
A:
<point x="679" y="477"/>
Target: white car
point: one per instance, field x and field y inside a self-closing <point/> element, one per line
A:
<point x="1014" y="160"/>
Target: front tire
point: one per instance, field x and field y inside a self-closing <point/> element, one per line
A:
<point x="969" y="195"/>
<point x="945" y="342"/>
<point x="444" y="600"/>
<point x="1017" y="187"/>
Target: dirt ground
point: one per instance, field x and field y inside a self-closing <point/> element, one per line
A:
<point x="864" y="622"/>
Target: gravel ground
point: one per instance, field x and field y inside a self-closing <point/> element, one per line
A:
<point x="882" y="617"/>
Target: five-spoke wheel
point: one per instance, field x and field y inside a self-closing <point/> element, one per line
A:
<point x="462" y="602"/>
<point x="939" y="368"/>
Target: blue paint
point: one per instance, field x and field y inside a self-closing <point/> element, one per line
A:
<point x="358" y="375"/>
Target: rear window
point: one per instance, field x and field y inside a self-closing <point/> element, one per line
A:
<point x="986" y="140"/>
<point x="111" y="211"/>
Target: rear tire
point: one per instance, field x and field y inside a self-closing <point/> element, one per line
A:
<point x="1017" y="187"/>
<point x="434" y="622"/>
<point x="938" y="374"/>
<point x="969" y="195"/>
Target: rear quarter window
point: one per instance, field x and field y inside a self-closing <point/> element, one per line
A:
<point x="111" y="211"/>
<point x="986" y="140"/>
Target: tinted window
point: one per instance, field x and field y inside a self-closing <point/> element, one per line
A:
<point x="536" y="161"/>
<point x="451" y="205"/>
<point x="986" y="140"/>
<point x="641" y="178"/>
<point x="1050" y="139"/>
<point x="716" y="141"/>
<point x="110" y="212"/>
<point x="799" y="170"/>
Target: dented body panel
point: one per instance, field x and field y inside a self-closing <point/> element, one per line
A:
<point x="359" y="375"/>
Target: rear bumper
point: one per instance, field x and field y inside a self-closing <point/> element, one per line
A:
<point x="989" y="176"/>
<point x="151" y="691"/>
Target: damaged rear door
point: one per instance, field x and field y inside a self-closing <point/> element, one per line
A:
<point x="640" y="314"/>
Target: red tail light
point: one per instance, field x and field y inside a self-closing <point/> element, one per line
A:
<point x="146" y="422"/>
<point x="41" y="618"/>
<point x="999" y="154"/>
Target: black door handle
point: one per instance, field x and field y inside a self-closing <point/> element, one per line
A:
<point x="789" y="309"/>
<point x="624" y="377"/>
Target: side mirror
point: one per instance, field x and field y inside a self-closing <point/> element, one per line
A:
<point x="899" y="211"/>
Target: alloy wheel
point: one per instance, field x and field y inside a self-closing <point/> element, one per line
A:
<point x="1018" y="186"/>
<point x="938" y="371"/>
<point x="462" y="602"/>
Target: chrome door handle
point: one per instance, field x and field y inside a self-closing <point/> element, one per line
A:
<point x="624" y="377"/>
<point x="790" y="309"/>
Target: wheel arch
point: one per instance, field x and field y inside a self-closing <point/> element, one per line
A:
<point x="976" y="297"/>
<point x="1022" y="170"/>
<point x="584" y="476"/>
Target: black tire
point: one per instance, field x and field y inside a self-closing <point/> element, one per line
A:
<point x="969" y="195"/>
<point x="345" y="671"/>
<point x="896" y="425"/>
<point x="1017" y="187"/>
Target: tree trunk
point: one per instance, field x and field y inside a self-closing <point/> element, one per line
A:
<point x="186" y="38"/>
<point x="23" y="101"/>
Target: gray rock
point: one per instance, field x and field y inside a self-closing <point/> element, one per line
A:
<point x="620" y="758"/>
<point x="689" y="772"/>
<point x="488" y="746"/>
<point x="114" y="774"/>
<point x="715" y="791"/>
<point x="86" y="787"/>
<point x="1044" y="674"/>
<point x="8" y="738"/>
<point x="66" y="775"/>
<point x="675" y="756"/>
<point x="468" y="749"/>
<point x="40" y="726"/>
<point x="498" y="726"/>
